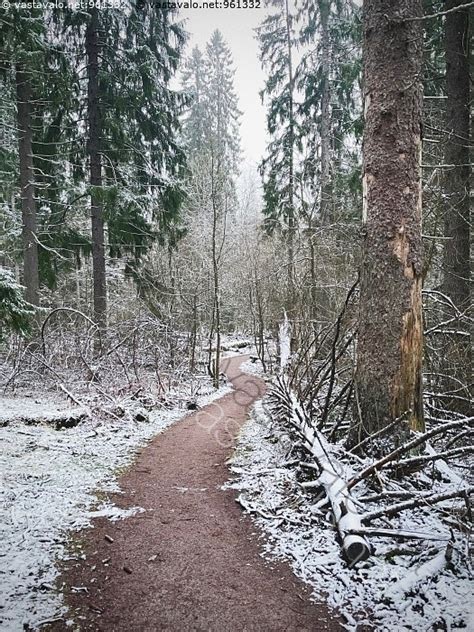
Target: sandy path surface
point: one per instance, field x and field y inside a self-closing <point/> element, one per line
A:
<point x="192" y="560"/>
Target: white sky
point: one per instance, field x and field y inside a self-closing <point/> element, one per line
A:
<point x="237" y="27"/>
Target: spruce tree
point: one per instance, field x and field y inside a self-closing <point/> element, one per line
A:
<point x="388" y="375"/>
<point x="22" y="32"/>
<point x="211" y="129"/>
<point x="277" y="40"/>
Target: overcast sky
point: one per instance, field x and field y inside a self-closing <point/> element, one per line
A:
<point x="237" y="27"/>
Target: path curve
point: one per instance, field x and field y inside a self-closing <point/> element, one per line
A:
<point x="192" y="561"/>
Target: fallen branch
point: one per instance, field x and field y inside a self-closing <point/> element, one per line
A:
<point x="75" y="400"/>
<point x="251" y="509"/>
<point x="419" y="575"/>
<point x="393" y="510"/>
<point x="416" y="461"/>
<point x="401" y="533"/>
<point x="459" y="437"/>
<point x="406" y="447"/>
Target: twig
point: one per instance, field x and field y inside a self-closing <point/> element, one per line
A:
<point x="55" y="311"/>
<point x="382" y="431"/>
<point x="459" y="7"/>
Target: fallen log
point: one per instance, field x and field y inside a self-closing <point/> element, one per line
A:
<point x="346" y="517"/>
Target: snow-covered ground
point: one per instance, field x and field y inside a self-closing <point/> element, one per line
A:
<point x="252" y="367"/>
<point x="394" y="590"/>
<point x="51" y="481"/>
<point x="37" y="409"/>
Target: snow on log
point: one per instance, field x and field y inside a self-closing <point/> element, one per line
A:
<point x="347" y="519"/>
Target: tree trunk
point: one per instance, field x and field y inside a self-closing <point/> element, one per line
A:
<point x="390" y="343"/>
<point x="456" y="256"/>
<point x="28" y="204"/>
<point x="193" y="337"/>
<point x="321" y="308"/>
<point x="324" y="188"/>
<point x="291" y="290"/>
<point x="216" y="303"/>
<point x="94" y="142"/>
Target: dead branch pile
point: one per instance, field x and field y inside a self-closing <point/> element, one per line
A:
<point x="141" y="363"/>
<point x="366" y="495"/>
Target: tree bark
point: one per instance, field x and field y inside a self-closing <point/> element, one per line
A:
<point x="95" y="165"/>
<point x="27" y="178"/>
<point x="215" y="270"/>
<point x="321" y="297"/>
<point x="291" y="290"/>
<point x="390" y="342"/>
<point x="325" y="189"/>
<point x="456" y="256"/>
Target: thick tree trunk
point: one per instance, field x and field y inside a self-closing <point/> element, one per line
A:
<point x="390" y="343"/>
<point x="456" y="258"/>
<point x="28" y="204"/>
<point x="94" y="142"/>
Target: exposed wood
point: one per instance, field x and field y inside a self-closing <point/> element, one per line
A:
<point x="390" y="342"/>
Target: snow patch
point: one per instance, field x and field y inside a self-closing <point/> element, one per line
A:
<point x="50" y="484"/>
<point x="37" y="410"/>
<point x="252" y="367"/>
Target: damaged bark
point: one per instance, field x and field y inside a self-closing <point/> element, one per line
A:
<point x="389" y="355"/>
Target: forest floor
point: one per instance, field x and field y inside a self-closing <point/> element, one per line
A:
<point x="191" y="560"/>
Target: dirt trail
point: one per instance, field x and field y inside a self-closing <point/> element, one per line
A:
<point x="192" y="560"/>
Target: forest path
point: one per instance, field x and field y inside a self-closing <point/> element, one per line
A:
<point x="192" y="560"/>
